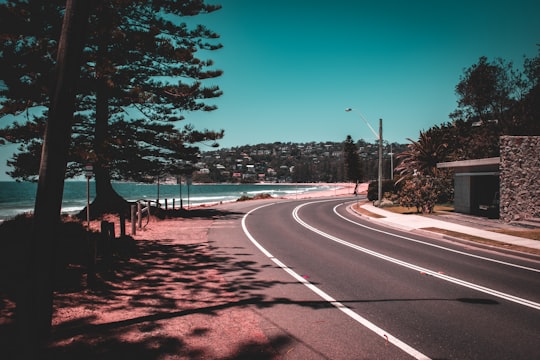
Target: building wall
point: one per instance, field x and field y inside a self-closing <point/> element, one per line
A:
<point x="462" y="193"/>
<point x="520" y="178"/>
<point x="473" y="190"/>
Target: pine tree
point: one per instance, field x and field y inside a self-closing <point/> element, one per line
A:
<point x="34" y="305"/>
<point x="352" y="160"/>
<point x="140" y="76"/>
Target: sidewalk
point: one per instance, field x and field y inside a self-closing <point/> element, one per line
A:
<point x="475" y="226"/>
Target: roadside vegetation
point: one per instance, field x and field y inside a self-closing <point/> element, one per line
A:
<point x="529" y="234"/>
<point x="255" y="197"/>
<point x="494" y="99"/>
<point x="441" y="209"/>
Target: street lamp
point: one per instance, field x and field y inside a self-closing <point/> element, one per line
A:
<point x="391" y="153"/>
<point x="380" y="138"/>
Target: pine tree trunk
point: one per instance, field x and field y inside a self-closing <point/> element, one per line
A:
<point x="107" y="199"/>
<point x="34" y="307"/>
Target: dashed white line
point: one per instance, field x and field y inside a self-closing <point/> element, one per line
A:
<point x="434" y="245"/>
<point x="381" y="332"/>
<point x="451" y="279"/>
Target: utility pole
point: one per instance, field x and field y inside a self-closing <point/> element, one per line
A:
<point x="379" y="182"/>
<point x="380" y="137"/>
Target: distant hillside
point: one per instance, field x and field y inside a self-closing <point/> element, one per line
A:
<point x="290" y="162"/>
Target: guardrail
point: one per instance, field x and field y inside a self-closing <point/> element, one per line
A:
<point x="141" y="208"/>
<point x="137" y="213"/>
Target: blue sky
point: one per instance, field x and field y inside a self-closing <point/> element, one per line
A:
<point x="291" y="67"/>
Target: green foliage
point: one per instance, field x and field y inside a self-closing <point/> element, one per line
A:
<point x="493" y="100"/>
<point x="373" y="189"/>
<point x="125" y="122"/>
<point x="422" y="155"/>
<point x="421" y="192"/>
<point x="256" y="197"/>
<point x="353" y="170"/>
<point x="485" y="89"/>
<point x="494" y="92"/>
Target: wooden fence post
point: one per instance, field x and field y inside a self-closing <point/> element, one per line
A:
<point x="122" y="225"/>
<point x="106" y="243"/>
<point x="133" y="224"/>
<point x="91" y="267"/>
<point x="139" y="214"/>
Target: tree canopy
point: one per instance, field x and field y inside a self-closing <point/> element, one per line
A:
<point x="494" y="99"/>
<point x="143" y="69"/>
<point x="496" y="92"/>
<point x="353" y="170"/>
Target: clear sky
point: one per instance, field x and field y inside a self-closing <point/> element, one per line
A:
<point x="291" y="67"/>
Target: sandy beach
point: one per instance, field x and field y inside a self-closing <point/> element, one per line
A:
<point x="341" y="189"/>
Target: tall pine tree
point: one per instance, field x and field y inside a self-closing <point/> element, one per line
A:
<point x="352" y="160"/>
<point x="140" y="76"/>
<point x="34" y="305"/>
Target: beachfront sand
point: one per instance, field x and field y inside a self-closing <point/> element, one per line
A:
<point x="169" y="300"/>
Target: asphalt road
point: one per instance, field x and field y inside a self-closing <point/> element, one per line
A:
<point x="327" y="284"/>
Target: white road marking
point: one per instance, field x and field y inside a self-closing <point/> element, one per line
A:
<point x="434" y="245"/>
<point x="451" y="279"/>
<point x="381" y="332"/>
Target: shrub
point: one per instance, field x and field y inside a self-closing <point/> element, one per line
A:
<point x="373" y="189"/>
<point x="422" y="192"/>
<point x="256" y="197"/>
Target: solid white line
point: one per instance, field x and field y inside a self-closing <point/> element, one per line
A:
<point x="434" y="245"/>
<point x="433" y="273"/>
<point x="381" y="332"/>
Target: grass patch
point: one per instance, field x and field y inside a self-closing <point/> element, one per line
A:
<point x="482" y="240"/>
<point x="397" y="209"/>
<point x="412" y="210"/>
<point x="533" y="234"/>
<point x="360" y="210"/>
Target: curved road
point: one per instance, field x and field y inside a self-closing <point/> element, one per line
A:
<point x="332" y="285"/>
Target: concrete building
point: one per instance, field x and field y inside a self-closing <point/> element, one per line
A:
<point x="476" y="185"/>
<point x="505" y="187"/>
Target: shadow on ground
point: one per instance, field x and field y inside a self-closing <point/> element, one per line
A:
<point x="196" y="213"/>
<point x="158" y="299"/>
<point x="162" y="299"/>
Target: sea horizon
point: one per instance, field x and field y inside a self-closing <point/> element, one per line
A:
<point x="19" y="197"/>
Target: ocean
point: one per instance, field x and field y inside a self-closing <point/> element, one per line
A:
<point x="19" y="197"/>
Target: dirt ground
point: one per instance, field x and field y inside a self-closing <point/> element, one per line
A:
<point x="167" y="302"/>
<point x="163" y="297"/>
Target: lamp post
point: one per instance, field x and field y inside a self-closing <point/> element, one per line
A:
<point x="391" y="153"/>
<point x="380" y="138"/>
